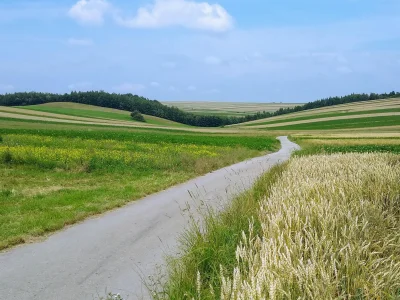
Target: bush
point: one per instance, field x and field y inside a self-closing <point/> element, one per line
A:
<point x="1" y="139"/>
<point x="137" y="116"/>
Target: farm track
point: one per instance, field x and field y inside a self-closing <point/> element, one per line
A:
<point x="116" y="250"/>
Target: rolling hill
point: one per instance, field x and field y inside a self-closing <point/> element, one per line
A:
<point x="235" y="109"/>
<point x="373" y="113"/>
<point x="67" y="112"/>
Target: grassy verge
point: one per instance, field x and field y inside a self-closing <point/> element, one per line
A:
<point x="53" y="178"/>
<point x="328" y="227"/>
<point x="205" y="253"/>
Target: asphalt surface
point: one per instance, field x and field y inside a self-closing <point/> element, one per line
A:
<point x="115" y="251"/>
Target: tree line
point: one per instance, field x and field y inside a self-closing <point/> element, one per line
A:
<point x="146" y="106"/>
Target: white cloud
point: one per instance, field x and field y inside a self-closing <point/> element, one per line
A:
<point x="6" y="87"/>
<point x="89" y="11"/>
<point x="191" y="88"/>
<point x="172" y="88"/>
<point x="129" y="87"/>
<point x="80" y="86"/>
<point x="79" y="42"/>
<point x="185" y="13"/>
<point x="212" y="60"/>
<point x="154" y="84"/>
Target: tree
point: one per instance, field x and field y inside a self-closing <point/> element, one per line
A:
<point x="137" y="116"/>
<point x="141" y="105"/>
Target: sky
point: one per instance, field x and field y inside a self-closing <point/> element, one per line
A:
<point x="187" y="50"/>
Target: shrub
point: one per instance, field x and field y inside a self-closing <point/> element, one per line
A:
<point x="137" y="116"/>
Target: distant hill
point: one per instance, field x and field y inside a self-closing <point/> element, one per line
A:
<point x="154" y="108"/>
<point x="366" y="114"/>
<point x="230" y="109"/>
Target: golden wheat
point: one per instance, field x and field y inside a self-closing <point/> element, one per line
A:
<point x="330" y="230"/>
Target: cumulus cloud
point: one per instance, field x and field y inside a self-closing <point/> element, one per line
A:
<point x="6" y="87"/>
<point x="129" y="87"/>
<point x="191" y="88"/>
<point x="79" y="42"/>
<point x="172" y="88"/>
<point x="184" y="13"/>
<point x="90" y="12"/>
<point x="154" y="84"/>
<point x="212" y="60"/>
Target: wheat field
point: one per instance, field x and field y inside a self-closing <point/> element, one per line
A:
<point x="327" y="228"/>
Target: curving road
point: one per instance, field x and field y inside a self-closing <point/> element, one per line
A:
<point x="113" y="252"/>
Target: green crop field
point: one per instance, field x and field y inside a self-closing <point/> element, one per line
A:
<point x="52" y="178"/>
<point x="373" y="113"/>
<point x="347" y="123"/>
<point x="90" y="111"/>
<point x="326" y="115"/>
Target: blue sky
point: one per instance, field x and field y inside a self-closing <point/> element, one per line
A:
<point x="252" y="51"/>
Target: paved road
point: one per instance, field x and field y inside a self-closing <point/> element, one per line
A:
<point x="110" y="251"/>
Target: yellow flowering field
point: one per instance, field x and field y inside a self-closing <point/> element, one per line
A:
<point x="50" y="178"/>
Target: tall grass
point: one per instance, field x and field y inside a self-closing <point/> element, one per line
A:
<point x="330" y="229"/>
<point x="214" y="243"/>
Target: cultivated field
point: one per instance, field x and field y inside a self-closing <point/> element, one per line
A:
<point x="53" y="178"/>
<point x="323" y="226"/>
<point x="326" y="223"/>
<point x="368" y="114"/>
<point x="67" y="112"/>
<point x="228" y="108"/>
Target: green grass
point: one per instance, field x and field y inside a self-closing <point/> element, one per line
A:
<point x="324" y="115"/>
<point x="156" y="136"/>
<point x="35" y="201"/>
<point x="205" y="249"/>
<point x="318" y="145"/>
<point x="52" y="178"/>
<point x="329" y="149"/>
<point x="89" y="111"/>
<point x="367" y="122"/>
<point x="79" y="112"/>
<point x="11" y="123"/>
